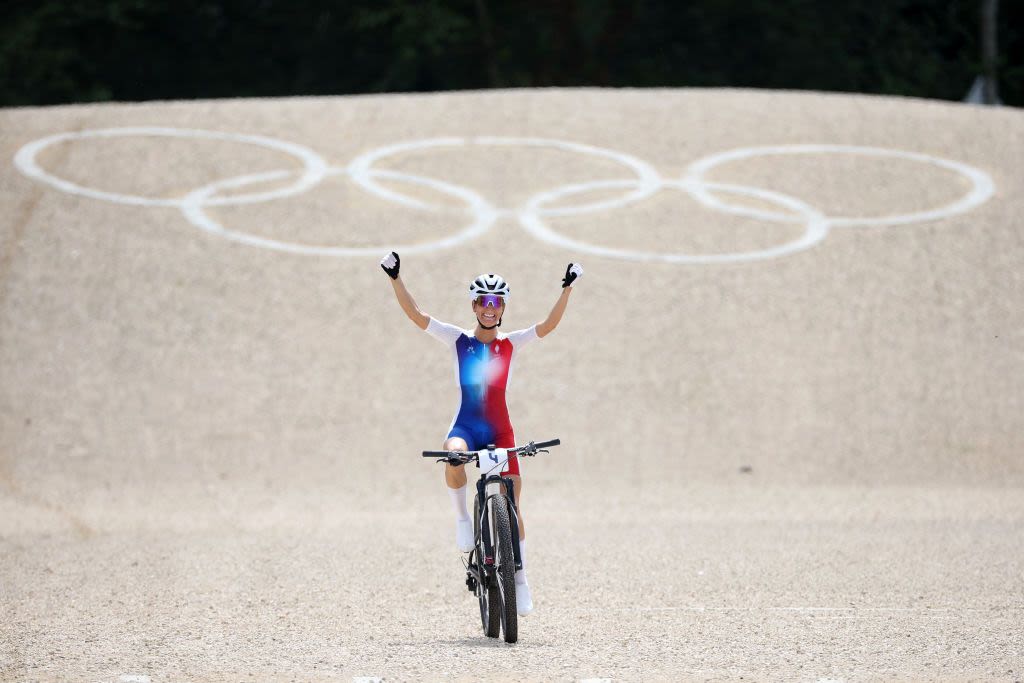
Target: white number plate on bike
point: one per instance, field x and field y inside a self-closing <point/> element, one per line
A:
<point x="493" y="462"/>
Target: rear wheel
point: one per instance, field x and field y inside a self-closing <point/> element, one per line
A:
<point x="505" y="561"/>
<point x="487" y="591"/>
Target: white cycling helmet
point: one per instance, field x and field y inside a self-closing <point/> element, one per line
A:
<point x="488" y="284"/>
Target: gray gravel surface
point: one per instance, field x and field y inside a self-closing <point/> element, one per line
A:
<point x="805" y="468"/>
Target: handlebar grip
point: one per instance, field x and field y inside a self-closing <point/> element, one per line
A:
<point x="436" y="454"/>
<point x="545" y="444"/>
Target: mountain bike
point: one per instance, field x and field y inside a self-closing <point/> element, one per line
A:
<point x="495" y="557"/>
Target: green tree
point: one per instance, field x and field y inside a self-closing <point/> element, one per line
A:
<point x="54" y="51"/>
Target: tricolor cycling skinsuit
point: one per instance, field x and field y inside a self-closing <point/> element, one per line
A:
<point x="482" y="371"/>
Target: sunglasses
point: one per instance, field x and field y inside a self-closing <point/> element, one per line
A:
<point x="491" y="300"/>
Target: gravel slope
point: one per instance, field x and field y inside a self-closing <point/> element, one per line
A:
<point x="801" y="467"/>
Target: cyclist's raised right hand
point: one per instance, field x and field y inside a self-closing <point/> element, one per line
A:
<point x="391" y="263"/>
<point x="573" y="272"/>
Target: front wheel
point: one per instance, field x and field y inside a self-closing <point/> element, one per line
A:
<point x="487" y="591"/>
<point x="505" y="562"/>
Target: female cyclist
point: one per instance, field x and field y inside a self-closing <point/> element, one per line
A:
<point x="483" y="360"/>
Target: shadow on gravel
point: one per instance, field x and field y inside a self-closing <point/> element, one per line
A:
<point x="490" y="643"/>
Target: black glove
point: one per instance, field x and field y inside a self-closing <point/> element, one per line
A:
<point x="572" y="272"/>
<point x="391" y="263"/>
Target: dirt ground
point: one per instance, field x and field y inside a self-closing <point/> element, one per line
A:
<point x="789" y="386"/>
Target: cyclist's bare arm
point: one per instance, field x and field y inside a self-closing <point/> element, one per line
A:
<point x="572" y="273"/>
<point x="408" y="304"/>
<point x="390" y="264"/>
<point x="548" y="325"/>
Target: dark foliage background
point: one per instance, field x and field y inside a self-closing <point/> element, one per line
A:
<point x="93" y="50"/>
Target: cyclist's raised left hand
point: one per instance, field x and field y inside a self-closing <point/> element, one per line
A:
<point x="391" y="264"/>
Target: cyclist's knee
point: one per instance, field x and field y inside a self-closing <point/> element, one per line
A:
<point x="456" y="443"/>
<point x="455" y="475"/>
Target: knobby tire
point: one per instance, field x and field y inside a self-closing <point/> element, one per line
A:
<point x="487" y="591"/>
<point x="506" y="566"/>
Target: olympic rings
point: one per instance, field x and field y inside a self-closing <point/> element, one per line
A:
<point x="314" y="167"/>
<point x="647" y="178"/>
<point x="194" y="203"/>
<point x="643" y="182"/>
<point x="982" y="187"/>
<point x="816" y="225"/>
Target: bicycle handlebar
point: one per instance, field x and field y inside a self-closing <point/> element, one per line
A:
<point x="529" y="449"/>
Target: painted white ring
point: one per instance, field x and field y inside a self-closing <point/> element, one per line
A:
<point x="982" y="185"/>
<point x="646" y="183"/>
<point x="314" y="166"/>
<point x="194" y="208"/>
<point x="816" y="229"/>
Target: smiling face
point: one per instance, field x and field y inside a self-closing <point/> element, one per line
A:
<point x="487" y="314"/>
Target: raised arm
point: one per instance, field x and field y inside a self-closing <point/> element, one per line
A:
<point x="572" y="273"/>
<point x="391" y="264"/>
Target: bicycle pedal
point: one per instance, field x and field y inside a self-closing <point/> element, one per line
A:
<point x="471" y="584"/>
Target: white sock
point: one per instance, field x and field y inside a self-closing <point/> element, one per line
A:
<point x="459" y="501"/>
<point x="521" y="574"/>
